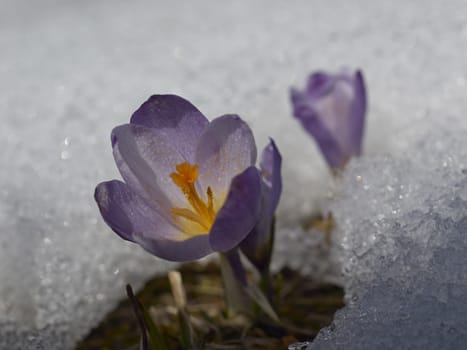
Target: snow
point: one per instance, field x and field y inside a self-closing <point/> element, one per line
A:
<point x="402" y="240"/>
<point x="71" y="71"/>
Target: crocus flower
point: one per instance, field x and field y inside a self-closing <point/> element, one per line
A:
<point x="190" y="186"/>
<point x="332" y="109"/>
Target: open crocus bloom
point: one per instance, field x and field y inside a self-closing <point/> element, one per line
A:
<point x="190" y="186"/>
<point x="332" y="109"/>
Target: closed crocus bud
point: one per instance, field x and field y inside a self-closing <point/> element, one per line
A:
<point x="332" y="109"/>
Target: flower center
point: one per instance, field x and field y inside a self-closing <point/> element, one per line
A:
<point x="201" y="211"/>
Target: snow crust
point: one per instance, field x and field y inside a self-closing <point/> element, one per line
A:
<point x="70" y="71"/>
<point x="402" y="240"/>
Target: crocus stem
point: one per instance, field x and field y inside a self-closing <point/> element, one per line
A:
<point x="265" y="284"/>
<point x="179" y="294"/>
<point x="240" y="295"/>
<point x="234" y="279"/>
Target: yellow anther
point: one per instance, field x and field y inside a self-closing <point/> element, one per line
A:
<point x="186" y="174"/>
<point x="201" y="213"/>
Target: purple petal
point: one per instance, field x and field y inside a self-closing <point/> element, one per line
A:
<point x="296" y="97"/>
<point x="270" y="164"/>
<point x="238" y="215"/>
<point x="113" y="198"/>
<point x="134" y="220"/>
<point x="257" y="245"/>
<point x="177" y="118"/>
<point x="226" y="148"/>
<point x="326" y="141"/>
<point x="319" y="83"/>
<point x="357" y="116"/>
<point x="190" y="249"/>
<point x="334" y="110"/>
<point x="127" y="213"/>
<point x="146" y="158"/>
<point x="342" y="111"/>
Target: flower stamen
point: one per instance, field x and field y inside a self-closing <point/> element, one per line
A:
<point x="201" y="212"/>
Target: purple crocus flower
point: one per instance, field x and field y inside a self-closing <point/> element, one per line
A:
<point x="190" y="186"/>
<point x="332" y="109"/>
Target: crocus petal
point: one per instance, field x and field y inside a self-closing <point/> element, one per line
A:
<point x="257" y="245"/>
<point x="145" y="158"/>
<point x="238" y="215"/>
<point x="176" y="117"/>
<point x="326" y="141"/>
<point x="113" y="199"/>
<point x="342" y="110"/>
<point x="357" y="115"/>
<point x="319" y="83"/>
<point x="134" y="220"/>
<point x="128" y="213"/>
<point x="296" y="97"/>
<point x="334" y="109"/>
<point x="225" y="149"/>
<point x="270" y="164"/>
<point x="190" y="249"/>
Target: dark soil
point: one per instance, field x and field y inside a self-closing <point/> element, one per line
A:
<point x="303" y="306"/>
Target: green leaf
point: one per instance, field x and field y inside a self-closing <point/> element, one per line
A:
<point x="260" y="299"/>
<point x="157" y="339"/>
<point x="146" y="325"/>
<point x="239" y="296"/>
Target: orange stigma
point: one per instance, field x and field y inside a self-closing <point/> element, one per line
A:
<point x="201" y="212"/>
